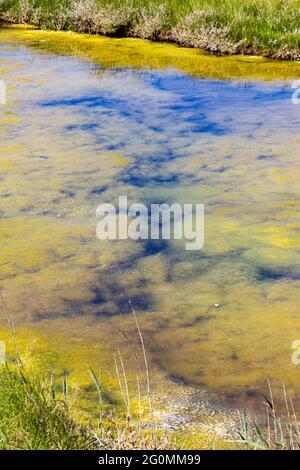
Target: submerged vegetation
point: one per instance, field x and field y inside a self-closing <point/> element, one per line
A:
<point x="269" y="28"/>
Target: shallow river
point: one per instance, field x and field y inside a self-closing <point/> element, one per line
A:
<point x="87" y="121"/>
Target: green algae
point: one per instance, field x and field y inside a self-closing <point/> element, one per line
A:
<point x="138" y="53"/>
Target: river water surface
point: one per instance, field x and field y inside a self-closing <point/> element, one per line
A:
<point x="87" y="122"/>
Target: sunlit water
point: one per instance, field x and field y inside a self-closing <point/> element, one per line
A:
<point x="75" y="135"/>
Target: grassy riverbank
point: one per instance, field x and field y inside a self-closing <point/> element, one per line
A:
<point x="35" y="415"/>
<point x="48" y="401"/>
<point x="269" y="28"/>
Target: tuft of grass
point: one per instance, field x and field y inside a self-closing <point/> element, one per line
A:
<point x="274" y="432"/>
<point x="269" y="28"/>
<point x="33" y="418"/>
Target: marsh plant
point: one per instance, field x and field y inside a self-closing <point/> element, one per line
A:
<point x="229" y="27"/>
<point x="277" y="431"/>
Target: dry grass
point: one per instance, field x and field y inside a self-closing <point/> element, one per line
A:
<point x="87" y="17"/>
<point x="194" y="32"/>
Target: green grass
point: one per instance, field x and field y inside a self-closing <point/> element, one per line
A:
<point x="267" y="27"/>
<point x="33" y="418"/>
